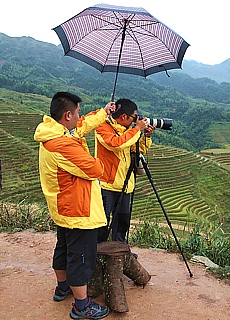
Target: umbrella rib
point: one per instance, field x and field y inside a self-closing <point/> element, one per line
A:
<point x="118" y="33"/>
<point x="147" y="33"/>
<point x="100" y="29"/>
<point x="108" y="22"/>
<point x="135" y="39"/>
<point x="132" y="34"/>
<point x="151" y="34"/>
<point x="117" y="36"/>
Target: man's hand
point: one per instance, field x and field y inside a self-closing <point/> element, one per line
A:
<point x="149" y="130"/>
<point x="110" y="108"/>
<point x="141" y="124"/>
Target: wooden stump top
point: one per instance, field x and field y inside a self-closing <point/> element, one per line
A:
<point x="115" y="259"/>
<point x="113" y="248"/>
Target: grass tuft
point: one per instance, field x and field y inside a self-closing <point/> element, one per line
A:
<point x="21" y="216"/>
<point x="199" y="238"/>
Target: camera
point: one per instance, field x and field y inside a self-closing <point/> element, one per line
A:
<point x="164" y="124"/>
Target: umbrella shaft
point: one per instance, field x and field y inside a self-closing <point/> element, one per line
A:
<point x="119" y="59"/>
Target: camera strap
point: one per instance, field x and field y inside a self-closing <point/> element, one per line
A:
<point x="109" y="122"/>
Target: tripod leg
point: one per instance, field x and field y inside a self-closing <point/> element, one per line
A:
<point x="120" y="198"/>
<point x="163" y="209"/>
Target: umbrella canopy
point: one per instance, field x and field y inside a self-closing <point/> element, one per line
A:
<point x="121" y="39"/>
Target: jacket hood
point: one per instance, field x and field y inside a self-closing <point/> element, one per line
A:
<point x="49" y="129"/>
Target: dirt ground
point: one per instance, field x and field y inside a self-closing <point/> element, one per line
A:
<point x="27" y="283"/>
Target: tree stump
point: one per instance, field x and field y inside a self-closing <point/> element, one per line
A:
<point x="113" y="260"/>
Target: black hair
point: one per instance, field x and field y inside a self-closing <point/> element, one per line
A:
<point x="124" y="106"/>
<point x="62" y="102"/>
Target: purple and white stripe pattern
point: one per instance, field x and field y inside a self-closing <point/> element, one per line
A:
<point x="94" y="36"/>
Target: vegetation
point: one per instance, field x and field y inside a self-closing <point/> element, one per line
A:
<point x="202" y="88"/>
<point x="22" y="216"/>
<point x="198" y="238"/>
<point x="39" y="69"/>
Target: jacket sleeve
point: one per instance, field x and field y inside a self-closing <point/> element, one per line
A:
<point x="111" y="141"/>
<point x="89" y="122"/>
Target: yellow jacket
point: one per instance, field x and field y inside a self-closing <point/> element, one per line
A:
<point x="69" y="174"/>
<point x="113" y="147"/>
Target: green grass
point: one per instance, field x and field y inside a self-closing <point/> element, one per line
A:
<point x="188" y="185"/>
<point x="197" y="238"/>
<point x="22" y="216"/>
<point x="220" y="134"/>
<point x="15" y="102"/>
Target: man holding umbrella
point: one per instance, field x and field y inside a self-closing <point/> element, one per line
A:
<point x="69" y="179"/>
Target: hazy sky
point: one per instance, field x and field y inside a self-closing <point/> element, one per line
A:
<point x="204" y="24"/>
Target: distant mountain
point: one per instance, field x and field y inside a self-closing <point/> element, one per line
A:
<point x="31" y="66"/>
<point x="198" y="80"/>
<point x="34" y="60"/>
<point x="200" y="88"/>
<point x="218" y="72"/>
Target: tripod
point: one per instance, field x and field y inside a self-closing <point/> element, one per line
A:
<point x="135" y="159"/>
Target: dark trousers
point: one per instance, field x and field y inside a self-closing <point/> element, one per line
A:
<point x="120" y="218"/>
<point x="76" y="252"/>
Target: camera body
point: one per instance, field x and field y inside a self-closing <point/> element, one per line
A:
<point x="164" y="124"/>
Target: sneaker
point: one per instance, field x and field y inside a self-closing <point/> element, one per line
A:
<point x="92" y="311"/>
<point x="60" y="295"/>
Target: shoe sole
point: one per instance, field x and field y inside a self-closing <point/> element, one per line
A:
<point x="75" y="316"/>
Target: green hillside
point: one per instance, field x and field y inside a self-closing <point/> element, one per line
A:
<point x="189" y="184"/>
<point x="16" y="102"/>
<point x="40" y="69"/>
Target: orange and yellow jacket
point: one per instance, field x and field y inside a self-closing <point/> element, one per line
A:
<point x="69" y="174"/>
<point x="113" y="147"/>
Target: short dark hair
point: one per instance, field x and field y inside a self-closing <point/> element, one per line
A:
<point x="126" y="106"/>
<point x="62" y="102"/>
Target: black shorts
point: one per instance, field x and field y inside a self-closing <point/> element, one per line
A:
<point x="76" y="252"/>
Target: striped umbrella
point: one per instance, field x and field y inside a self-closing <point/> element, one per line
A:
<point x="121" y="40"/>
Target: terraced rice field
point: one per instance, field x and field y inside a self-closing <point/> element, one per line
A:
<point x="173" y="171"/>
<point x="19" y="158"/>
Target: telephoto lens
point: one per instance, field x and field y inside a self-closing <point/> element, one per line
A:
<point x="164" y="124"/>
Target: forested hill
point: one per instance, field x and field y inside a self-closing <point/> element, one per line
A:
<point x="31" y="66"/>
<point x="218" y="72"/>
<point x="201" y="88"/>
